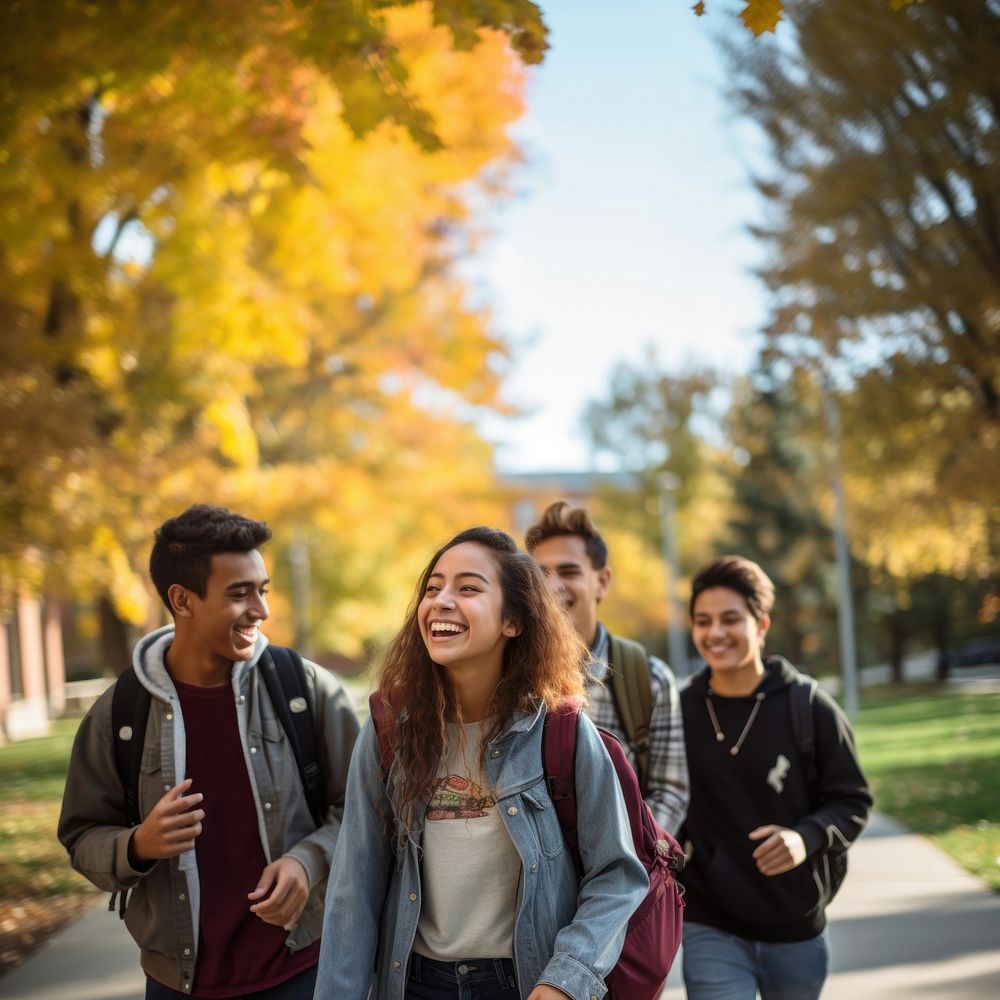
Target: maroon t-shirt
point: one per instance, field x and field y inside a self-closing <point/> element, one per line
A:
<point x="237" y="952"/>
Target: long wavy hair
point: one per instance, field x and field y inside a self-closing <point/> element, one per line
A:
<point x="544" y="664"/>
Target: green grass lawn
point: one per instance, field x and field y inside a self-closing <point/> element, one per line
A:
<point x="933" y="757"/>
<point x="38" y="889"/>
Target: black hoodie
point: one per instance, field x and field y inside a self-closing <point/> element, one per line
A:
<point x="764" y="783"/>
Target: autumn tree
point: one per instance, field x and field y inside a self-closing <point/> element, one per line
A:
<point x="883" y="236"/>
<point x="227" y="237"/>
<point x="657" y="426"/>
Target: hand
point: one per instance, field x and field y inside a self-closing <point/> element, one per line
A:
<point x="170" y="828"/>
<point x="288" y="885"/>
<point x="545" y="992"/>
<point x="781" y="851"/>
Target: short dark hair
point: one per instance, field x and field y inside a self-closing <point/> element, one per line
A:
<point x="739" y="574"/>
<point x="560" y="519"/>
<point x="184" y="546"/>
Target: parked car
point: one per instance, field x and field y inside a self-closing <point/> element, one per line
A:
<point x="975" y="652"/>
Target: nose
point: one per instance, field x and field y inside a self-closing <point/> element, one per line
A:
<point x="444" y="598"/>
<point x="259" y="607"/>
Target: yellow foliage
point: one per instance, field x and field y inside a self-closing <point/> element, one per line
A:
<point x="216" y="286"/>
<point x="761" y="16"/>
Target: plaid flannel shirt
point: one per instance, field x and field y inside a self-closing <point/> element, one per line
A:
<point x="668" y="791"/>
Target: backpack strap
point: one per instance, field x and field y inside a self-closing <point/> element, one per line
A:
<point x="801" y="696"/>
<point x="559" y="764"/>
<point x="284" y="674"/>
<point x="631" y="688"/>
<point x="130" y="703"/>
<point x="378" y="712"/>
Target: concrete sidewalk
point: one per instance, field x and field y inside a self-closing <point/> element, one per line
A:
<point x="908" y="923"/>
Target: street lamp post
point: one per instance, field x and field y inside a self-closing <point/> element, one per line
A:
<point x="845" y="618"/>
<point x="676" y="633"/>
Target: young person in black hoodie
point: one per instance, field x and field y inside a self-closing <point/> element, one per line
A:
<point x="768" y="825"/>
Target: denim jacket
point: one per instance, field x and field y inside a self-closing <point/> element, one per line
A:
<point x="568" y="933"/>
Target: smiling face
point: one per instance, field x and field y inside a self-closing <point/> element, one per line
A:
<point x="579" y="585"/>
<point x="461" y="613"/>
<point x="223" y="625"/>
<point x="729" y="638"/>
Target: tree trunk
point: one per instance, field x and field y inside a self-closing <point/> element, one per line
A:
<point x="897" y="648"/>
<point x="942" y="639"/>
<point x="115" y="641"/>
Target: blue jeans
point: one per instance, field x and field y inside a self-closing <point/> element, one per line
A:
<point x="299" y="987"/>
<point x="721" y="966"/>
<point x="470" y="979"/>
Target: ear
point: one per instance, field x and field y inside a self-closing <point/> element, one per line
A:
<point x="763" y="624"/>
<point x="511" y="629"/>
<point x="180" y="600"/>
<point x="603" y="582"/>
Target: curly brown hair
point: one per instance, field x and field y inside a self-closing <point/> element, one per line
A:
<point x="543" y="664"/>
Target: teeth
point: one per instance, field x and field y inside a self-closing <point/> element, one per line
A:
<point x="447" y="627"/>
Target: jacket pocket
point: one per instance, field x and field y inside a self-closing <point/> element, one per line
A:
<point x="544" y="821"/>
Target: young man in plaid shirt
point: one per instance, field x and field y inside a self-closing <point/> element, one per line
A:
<point x="574" y="556"/>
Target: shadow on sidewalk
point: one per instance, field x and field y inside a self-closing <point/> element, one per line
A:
<point x="948" y="927"/>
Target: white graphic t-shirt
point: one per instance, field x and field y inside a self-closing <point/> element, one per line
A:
<point x="470" y="868"/>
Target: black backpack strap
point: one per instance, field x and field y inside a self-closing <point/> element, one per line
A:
<point x="129" y="711"/>
<point x="801" y="695"/>
<point x="284" y="674"/>
<point x="631" y="688"/>
<point x="130" y="703"/>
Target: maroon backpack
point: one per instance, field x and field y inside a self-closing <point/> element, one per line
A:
<point x="654" y="930"/>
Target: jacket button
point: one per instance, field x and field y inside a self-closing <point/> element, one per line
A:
<point x="243" y="698"/>
<point x="181" y="896"/>
<point x="170" y="715"/>
<point x="267" y="805"/>
<point x="511" y="810"/>
<point x="413" y="897"/>
<point x="396" y="966"/>
<point x="187" y="951"/>
<point x="534" y="868"/>
<point x="496" y="753"/>
<point x="253" y="749"/>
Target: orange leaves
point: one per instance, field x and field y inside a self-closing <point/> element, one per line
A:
<point x="761" y="16"/>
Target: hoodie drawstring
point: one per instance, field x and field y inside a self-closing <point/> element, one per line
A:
<point x="720" y="735"/>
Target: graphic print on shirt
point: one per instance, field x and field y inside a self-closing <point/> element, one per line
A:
<point x="456" y="797"/>
<point x="776" y="776"/>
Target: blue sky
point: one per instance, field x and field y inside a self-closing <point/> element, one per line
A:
<point x="628" y="227"/>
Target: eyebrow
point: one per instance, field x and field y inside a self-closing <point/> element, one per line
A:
<point x="478" y="576"/>
<point x="243" y="584"/>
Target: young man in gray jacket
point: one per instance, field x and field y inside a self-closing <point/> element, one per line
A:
<point x="227" y="867"/>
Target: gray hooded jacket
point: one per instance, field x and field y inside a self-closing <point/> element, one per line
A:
<point x="163" y="910"/>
